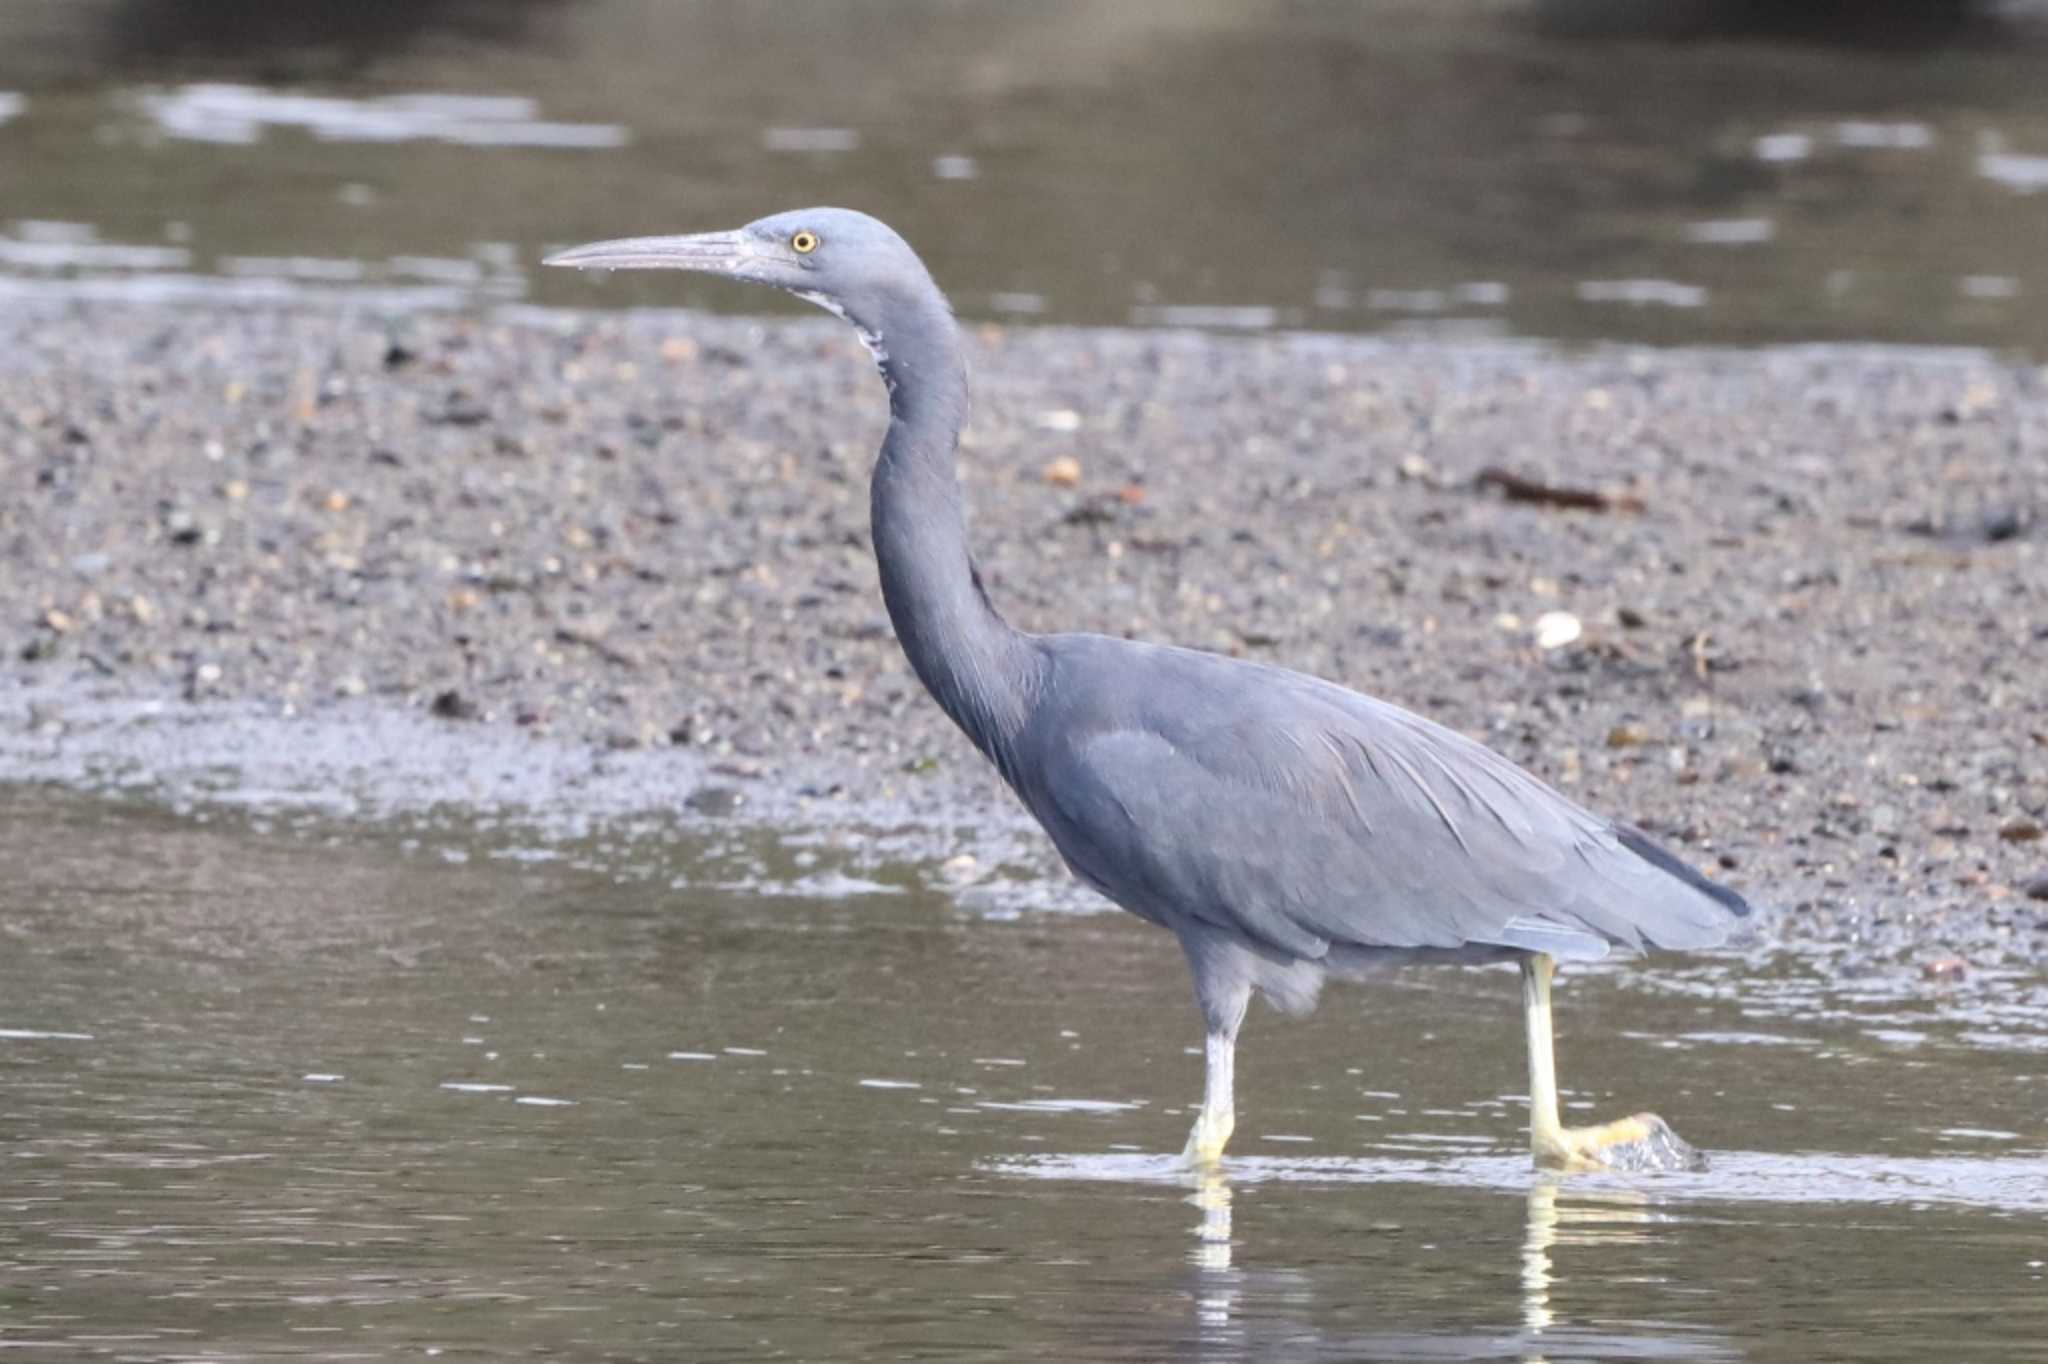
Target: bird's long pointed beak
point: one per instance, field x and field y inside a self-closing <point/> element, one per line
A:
<point x="717" y="252"/>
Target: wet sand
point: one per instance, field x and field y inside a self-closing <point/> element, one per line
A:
<point x="1811" y="611"/>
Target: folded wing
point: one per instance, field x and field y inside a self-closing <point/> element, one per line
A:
<point x="1303" y="815"/>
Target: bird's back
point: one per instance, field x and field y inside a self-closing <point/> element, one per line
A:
<point x="1319" y="823"/>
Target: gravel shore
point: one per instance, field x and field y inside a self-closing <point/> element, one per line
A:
<point x="1787" y="609"/>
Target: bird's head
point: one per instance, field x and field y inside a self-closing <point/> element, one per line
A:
<point x="843" y="261"/>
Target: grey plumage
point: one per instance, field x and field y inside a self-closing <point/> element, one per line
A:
<point x="1285" y="828"/>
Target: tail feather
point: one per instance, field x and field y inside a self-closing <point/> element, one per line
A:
<point x="1637" y="842"/>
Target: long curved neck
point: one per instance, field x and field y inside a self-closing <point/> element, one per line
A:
<point x="979" y="670"/>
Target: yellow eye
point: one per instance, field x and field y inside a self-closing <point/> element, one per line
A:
<point x="805" y="242"/>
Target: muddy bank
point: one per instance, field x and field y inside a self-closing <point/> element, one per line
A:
<point x="1788" y="609"/>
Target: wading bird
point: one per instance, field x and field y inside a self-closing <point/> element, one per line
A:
<point x="1286" y="829"/>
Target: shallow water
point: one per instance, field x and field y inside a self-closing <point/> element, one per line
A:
<point x="272" y="1087"/>
<point x="1684" y="171"/>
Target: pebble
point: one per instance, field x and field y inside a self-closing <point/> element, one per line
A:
<point x="452" y="705"/>
<point x="1555" y="629"/>
<point x="1064" y="472"/>
<point x="716" y="801"/>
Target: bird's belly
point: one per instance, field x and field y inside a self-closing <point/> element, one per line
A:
<point x="1084" y="858"/>
<point x="1095" y="884"/>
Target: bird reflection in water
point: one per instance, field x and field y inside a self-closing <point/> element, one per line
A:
<point x="1216" y="1284"/>
<point x="1554" y="1218"/>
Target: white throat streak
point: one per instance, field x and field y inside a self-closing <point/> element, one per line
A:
<point x="871" y="340"/>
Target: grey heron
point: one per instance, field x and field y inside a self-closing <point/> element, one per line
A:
<point x="1286" y="829"/>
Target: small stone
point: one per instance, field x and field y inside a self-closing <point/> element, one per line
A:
<point x="2037" y="889"/>
<point x="716" y="801"/>
<point x="461" y="410"/>
<point x="1555" y="629"/>
<point x="182" y="529"/>
<point x="1944" y="969"/>
<point x="1978" y="397"/>
<point x="337" y="501"/>
<point x="58" y="621"/>
<point x="452" y="705"/>
<point x="1064" y="472"/>
<point x="2020" y="831"/>
<point x="2006" y="523"/>
<point x="1627" y="736"/>
<point x="351" y="686"/>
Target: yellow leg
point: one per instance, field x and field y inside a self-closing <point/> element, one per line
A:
<point x="1642" y="1142"/>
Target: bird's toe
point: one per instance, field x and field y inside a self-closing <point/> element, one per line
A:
<point x="1205" y="1144"/>
<point x="1643" y="1142"/>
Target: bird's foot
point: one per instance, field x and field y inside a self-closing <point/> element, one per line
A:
<point x="1630" y="1145"/>
<point x="1206" y="1141"/>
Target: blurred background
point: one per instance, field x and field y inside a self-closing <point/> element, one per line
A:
<point x="1720" y="171"/>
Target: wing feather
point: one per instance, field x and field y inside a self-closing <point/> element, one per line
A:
<point x="1304" y="815"/>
